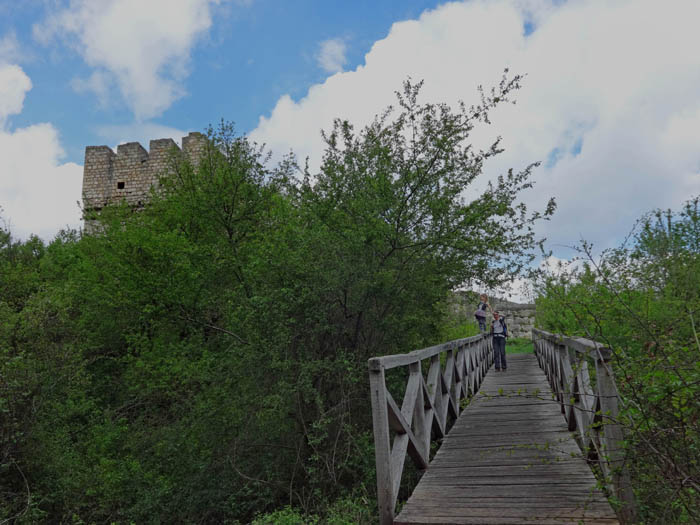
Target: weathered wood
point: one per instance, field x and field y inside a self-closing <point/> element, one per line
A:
<point x="382" y="446"/>
<point x="404" y="441"/>
<point x="392" y="361"/>
<point x="509" y="458"/>
<point x="585" y="404"/>
<point x="612" y="448"/>
<point x="582" y="345"/>
<point x="421" y="412"/>
<point x="428" y="406"/>
<point x="502" y="520"/>
<point x="511" y="449"/>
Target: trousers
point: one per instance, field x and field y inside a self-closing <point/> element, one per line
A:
<point x="499" y="352"/>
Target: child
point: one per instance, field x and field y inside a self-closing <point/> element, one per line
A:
<point x="480" y="313"/>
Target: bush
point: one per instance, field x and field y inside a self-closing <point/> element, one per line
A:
<point x="519" y="345"/>
<point x="205" y="358"/>
<point x="642" y="300"/>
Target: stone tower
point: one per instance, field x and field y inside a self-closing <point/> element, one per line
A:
<point x="129" y="175"/>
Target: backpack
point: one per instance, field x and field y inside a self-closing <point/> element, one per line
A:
<point x="502" y="319"/>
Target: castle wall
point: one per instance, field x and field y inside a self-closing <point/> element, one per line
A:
<point x="520" y="318"/>
<point x="129" y="174"/>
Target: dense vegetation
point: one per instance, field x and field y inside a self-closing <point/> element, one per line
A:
<point x="204" y="360"/>
<point x="643" y="300"/>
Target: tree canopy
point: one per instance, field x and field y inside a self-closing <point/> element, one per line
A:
<point x="204" y="360"/>
<point x="642" y="300"/>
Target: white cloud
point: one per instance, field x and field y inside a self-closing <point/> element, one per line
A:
<point x="40" y="194"/>
<point x="142" y="133"/>
<point x="37" y="193"/>
<point x="97" y="83"/>
<point x="14" y="84"/>
<point x="610" y="104"/>
<point x="142" y="48"/>
<point x="9" y="48"/>
<point x="331" y="55"/>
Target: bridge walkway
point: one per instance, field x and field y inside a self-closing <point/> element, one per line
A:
<point x="509" y="459"/>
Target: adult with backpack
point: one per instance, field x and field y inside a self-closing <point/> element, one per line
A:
<point x="499" y="332"/>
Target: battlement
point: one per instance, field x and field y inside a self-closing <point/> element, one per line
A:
<point x="130" y="173"/>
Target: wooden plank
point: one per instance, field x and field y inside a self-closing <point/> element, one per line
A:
<point x="382" y="447"/>
<point x="528" y="502"/>
<point x="414" y="446"/>
<point x="594" y="510"/>
<point x="612" y="440"/>
<point x="423" y="413"/>
<point x="411" y="394"/>
<point x="489" y="520"/>
<point x="393" y="361"/>
<point x="579" y="344"/>
<point x="509" y="458"/>
<point x="514" y="461"/>
<point x="575" y="491"/>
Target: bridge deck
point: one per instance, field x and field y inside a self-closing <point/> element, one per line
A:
<point x="509" y="459"/>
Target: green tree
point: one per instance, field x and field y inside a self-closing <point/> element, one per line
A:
<point x="204" y="360"/>
<point x="642" y="300"/>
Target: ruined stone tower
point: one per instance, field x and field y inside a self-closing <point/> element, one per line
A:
<point x="128" y="175"/>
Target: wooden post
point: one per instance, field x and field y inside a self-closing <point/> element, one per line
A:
<point x="612" y="441"/>
<point x="426" y="406"/>
<point x="382" y="442"/>
<point x="422" y="429"/>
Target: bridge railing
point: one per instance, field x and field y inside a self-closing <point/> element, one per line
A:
<point x="590" y="404"/>
<point x="455" y="370"/>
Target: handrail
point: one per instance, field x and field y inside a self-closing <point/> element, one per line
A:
<point x="427" y="406"/>
<point x="590" y="407"/>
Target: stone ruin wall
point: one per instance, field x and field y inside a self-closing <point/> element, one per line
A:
<point x="130" y="173"/>
<point x="520" y="318"/>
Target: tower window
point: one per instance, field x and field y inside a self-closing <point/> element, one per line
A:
<point x="120" y="185"/>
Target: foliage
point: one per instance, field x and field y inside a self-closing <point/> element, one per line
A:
<point x="347" y="510"/>
<point x="519" y="345"/>
<point x="642" y="300"/>
<point x="451" y="331"/>
<point x="285" y="516"/>
<point x="204" y="360"/>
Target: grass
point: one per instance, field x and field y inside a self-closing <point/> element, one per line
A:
<point x="450" y="332"/>
<point x="519" y="345"/>
<point x="514" y="345"/>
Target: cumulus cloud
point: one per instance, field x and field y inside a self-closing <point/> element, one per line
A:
<point x="139" y="132"/>
<point x="14" y="84"/>
<point x="141" y="49"/>
<point x="98" y="83"/>
<point x="331" y="55"/>
<point x="9" y="48"/>
<point x="525" y="290"/>
<point x="41" y="195"/>
<point x="37" y="192"/>
<point x="610" y="104"/>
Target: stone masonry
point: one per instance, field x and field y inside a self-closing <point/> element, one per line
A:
<point x="520" y="318"/>
<point x="129" y="175"/>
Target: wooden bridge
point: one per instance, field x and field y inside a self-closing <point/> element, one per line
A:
<point x="516" y="447"/>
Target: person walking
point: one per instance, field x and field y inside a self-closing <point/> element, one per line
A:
<point x="480" y="313"/>
<point x="499" y="332"/>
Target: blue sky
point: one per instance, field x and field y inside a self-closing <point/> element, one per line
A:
<point x="610" y="104"/>
<point x="252" y="54"/>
